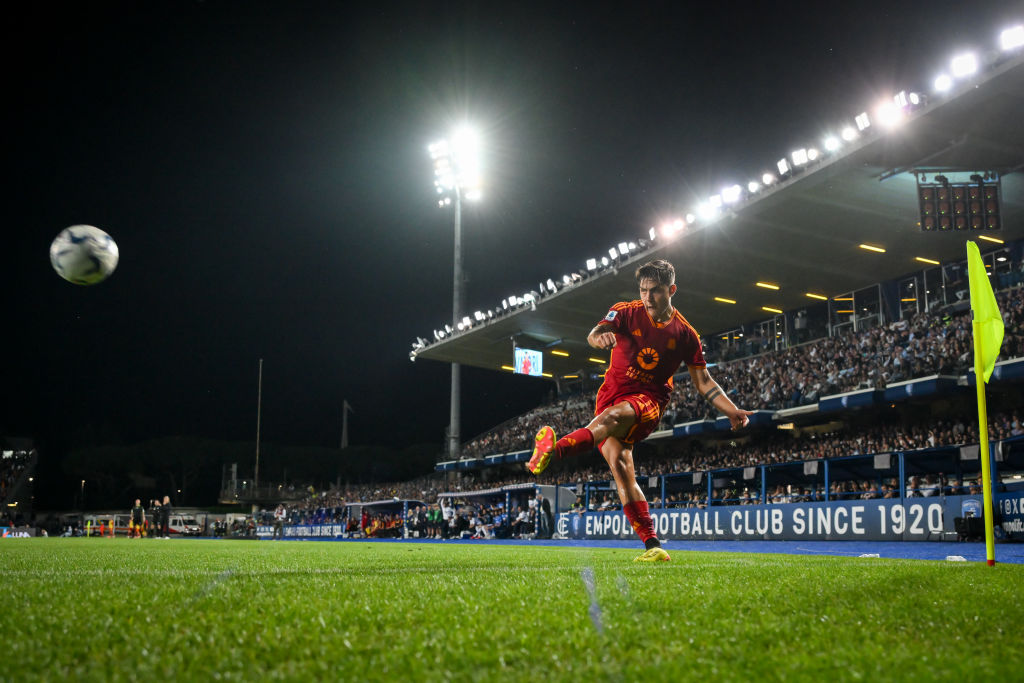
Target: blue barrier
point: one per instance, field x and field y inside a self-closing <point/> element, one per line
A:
<point x="863" y="398"/>
<point x="925" y="386"/>
<point x="908" y="519"/>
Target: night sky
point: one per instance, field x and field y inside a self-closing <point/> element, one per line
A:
<point x="263" y="169"/>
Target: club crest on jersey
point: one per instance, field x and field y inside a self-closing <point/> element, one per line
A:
<point x="611" y="315"/>
<point x="647" y="358"/>
<point x="671" y="344"/>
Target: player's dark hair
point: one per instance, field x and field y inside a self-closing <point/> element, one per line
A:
<point x="659" y="270"/>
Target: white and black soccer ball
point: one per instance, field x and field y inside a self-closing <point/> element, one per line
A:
<point x="83" y="254"/>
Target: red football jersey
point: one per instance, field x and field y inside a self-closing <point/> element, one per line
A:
<point x="646" y="353"/>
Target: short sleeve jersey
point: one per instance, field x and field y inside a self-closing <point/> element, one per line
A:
<point x="646" y="353"/>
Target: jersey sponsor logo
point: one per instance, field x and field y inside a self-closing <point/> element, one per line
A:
<point x="647" y="358"/>
<point x="671" y="344"/>
<point x="611" y="315"/>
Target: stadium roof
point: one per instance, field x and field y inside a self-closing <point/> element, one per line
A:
<point x="802" y="234"/>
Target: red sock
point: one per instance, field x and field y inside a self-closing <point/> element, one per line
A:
<point x="576" y="443"/>
<point x="639" y="517"/>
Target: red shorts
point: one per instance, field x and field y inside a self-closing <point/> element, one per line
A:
<point x="648" y="414"/>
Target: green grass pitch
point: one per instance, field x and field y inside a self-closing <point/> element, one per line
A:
<point x="153" y="610"/>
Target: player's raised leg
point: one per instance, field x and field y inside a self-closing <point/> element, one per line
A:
<point x="616" y="420"/>
<point x="619" y="457"/>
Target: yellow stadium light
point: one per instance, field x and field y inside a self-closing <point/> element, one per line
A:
<point x="844" y="311"/>
<point x="508" y="367"/>
<point x="770" y="309"/>
<point x="843" y="298"/>
<point x="570" y="376"/>
<point x="723" y="300"/>
<point x="910" y="299"/>
<point x="556" y="352"/>
<point x="922" y="259"/>
<point x="597" y="360"/>
<point x="991" y="239"/>
<point x="820" y="297"/>
<point x="766" y="285"/>
<point x="546" y="374"/>
<point x="871" y="247"/>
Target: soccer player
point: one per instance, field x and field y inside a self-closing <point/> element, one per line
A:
<point x="649" y="340"/>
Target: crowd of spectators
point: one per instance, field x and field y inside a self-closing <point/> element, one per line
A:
<point x="447" y="518"/>
<point x="927" y="344"/>
<point x="12" y="465"/>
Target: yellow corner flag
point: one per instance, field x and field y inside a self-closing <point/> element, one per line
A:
<point x="988" y="337"/>
<point x="987" y="318"/>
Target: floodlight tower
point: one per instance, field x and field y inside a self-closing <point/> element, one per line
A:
<point x="456" y="177"/>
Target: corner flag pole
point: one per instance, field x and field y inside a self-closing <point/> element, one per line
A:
<point x="986" y="469"/>
<point x="987" y="328"/>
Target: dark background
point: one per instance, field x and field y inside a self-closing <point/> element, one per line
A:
<point x="263" y="169"/>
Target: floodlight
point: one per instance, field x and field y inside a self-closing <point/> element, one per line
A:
<point x="767" y="179"/>
<point x="605" y="261"/>
<point x="474" y="195"/>
<point x="848" y="134"/>
<point x="591" y="264"/>
<point x="667" y="230"/>
<point x="613" y="253"/>
<point x="706" y="211"/>
<point x="831" y="143"/>
<point x="448" y="329"/>
<point x="753" y="186"/>
<point x="551" y="285"/>
<point x="783" y="165"/>
<point x="943" y="83"/>
<point x="731" y="194"/>
<point x="623" y="248"/>
<point x="799" y="157"/>
<point x="632" y="246"/>
<point x="812" y="154"/>
<point x="653" y="233"/>
<point x="900" y="99"/>
<point x="915" y="99"/>
<point x="862" y="120"/>
<point x="566" y="280"/>
<point x="715" y="200"/>
<point x="461" y="327"/>
<point x="1012" y="38"/>
<point x="690" y="218"/>
<point x="963" y="65"/>
<point x="466" y="321"/>
<point x="479" y="315"/>
<point x="889" y="114"/>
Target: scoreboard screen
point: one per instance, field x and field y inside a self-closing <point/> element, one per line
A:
<point x="529" y="362"/>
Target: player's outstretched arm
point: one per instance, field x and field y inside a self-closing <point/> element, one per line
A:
<point x="713" y="394"/>
<point x="602" y="336"/>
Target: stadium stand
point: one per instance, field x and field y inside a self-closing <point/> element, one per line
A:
<point x="801" y="375"/>
<point x="17" y="464"/>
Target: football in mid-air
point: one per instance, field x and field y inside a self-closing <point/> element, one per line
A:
<point x="83" y="255"/>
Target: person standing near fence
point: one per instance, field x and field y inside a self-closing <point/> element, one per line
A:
<point x="165" y="517"/>
<point x="279" y="515"/>
<point x="137" y="517"/>
<point x="649" y="340"/>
